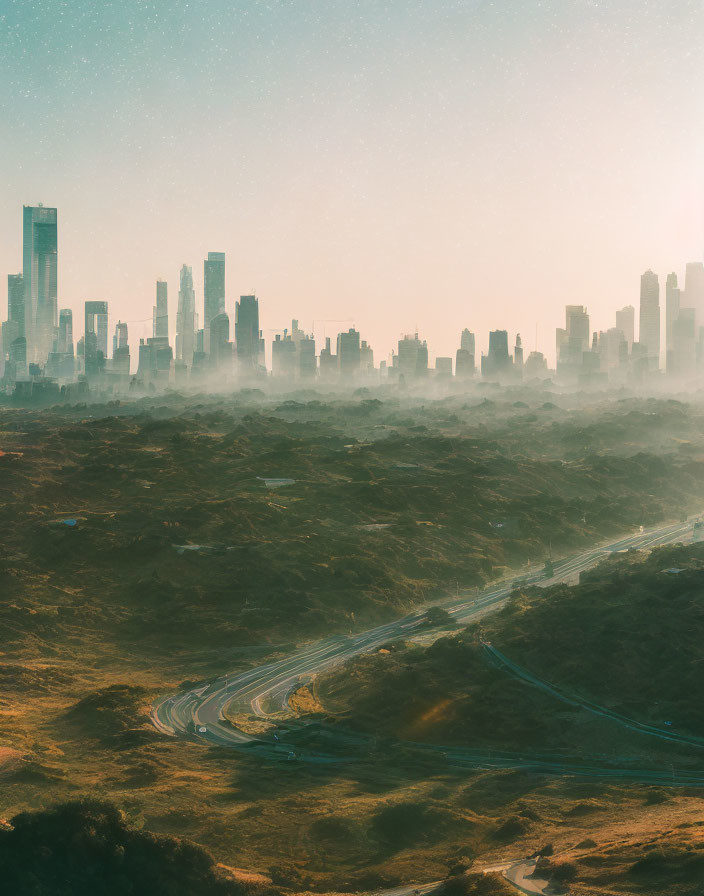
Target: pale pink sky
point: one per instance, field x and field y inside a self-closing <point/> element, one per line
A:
<point x="403" y="164"/>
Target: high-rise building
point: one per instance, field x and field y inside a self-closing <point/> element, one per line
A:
<point x="693" y="296"/>
<point x="464" y="364"/>
<point x="120" y="350"/>
<point x="120" y="339"/>
<point x="13" y="327"/>
<point x="612" y="349"/>
<point x="649" y="327"/>
<point x="39" y="270"/>
<point x="467" y="342"/>
<point x="155" y="360"/>
<point x="577" y="325"/>
<point x="61" y="362"/>
<point x="348" y="353"/>
<point x="518" y="353"/>
<point x="536" y="365"/>
<point x="96" y="324"/>
<point x="412" y="358"/>
<point x="65" y="338"/>
<point x="186" y="318"/>
<point x="498" y="360"/>
<point x="672" y="308"/>
<point x="160" y="319"/>
<point x="220" y="345"/>
<point x="293" y="354"/>
<point x="213" y="292"/>
<point x="94" y="346"/>
<point x="626" y="323"/>
<point x="683" y="357"/>
<point x="15" y="303"/>
<point x="366" y="357"/>
<point x="18" y="356"/>
<point x="307" y="361"/>
<point x="573" y="341"/>
<point x="328" y="362"/>
<point x="283" y="356"/>
<point x="443" y="368"/>
<point x="248" y="337"/>
<point x="464" y="358"/>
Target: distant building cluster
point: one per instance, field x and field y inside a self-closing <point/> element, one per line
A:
<point x="37" y="350"/>
<point x="614" y="355"/>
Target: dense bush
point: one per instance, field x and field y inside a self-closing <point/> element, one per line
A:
<point x="86" y="849"/>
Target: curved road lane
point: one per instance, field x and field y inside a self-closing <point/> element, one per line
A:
<point x="199" y="712"/>
<point x="264" y="691"/>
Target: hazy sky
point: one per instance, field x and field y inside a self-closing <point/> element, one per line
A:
<point x="398" y="163"/>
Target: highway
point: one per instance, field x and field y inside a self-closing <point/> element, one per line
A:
<point x="264" y="691"/>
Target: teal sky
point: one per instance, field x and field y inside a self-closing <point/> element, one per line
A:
<point x="400" y="164"/>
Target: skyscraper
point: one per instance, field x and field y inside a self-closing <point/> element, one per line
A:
<point x="283" y="357"/>
<point x="121" y="350"/>
<point x="366" y="357"/>
<point x="573" y="341"/>
<point x="577" y="325"/>
<point x="39" y="269"/>
<point x="220" y="345"/>
<point x="518" y="353"/>
<point x="672" y="309"/>
<point x="213" y="292"/>
<point x="186" y="318"/>
<point x="693" y="296"/>
<point x="649" y="327"/>
<point x="626" y="323"/>
<point x="160" y="323"/>
<point x="683" y="357"/>
<point x="467" y="342"/>
<point x="65" y="339"/>
<point x="412" y="358"/>
<point x="248" y="339"/>
<point x="120" y="339"/>
<point x="498" y="361"/>
<point x="15" y="303"/>
<point x="13" y="327"/>
<point x="348" y="353"/>
<point x="328" y="362"/>
<point x="464" y="359"/>
<point x="96" y="324"/>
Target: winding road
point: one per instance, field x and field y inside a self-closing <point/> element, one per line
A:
<point x="199" y="713"/>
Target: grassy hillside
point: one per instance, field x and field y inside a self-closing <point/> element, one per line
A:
<point x="183" y="563"/>
<point x="628" y="637"/>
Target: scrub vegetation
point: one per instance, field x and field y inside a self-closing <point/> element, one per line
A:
<point x="143" y="550"/>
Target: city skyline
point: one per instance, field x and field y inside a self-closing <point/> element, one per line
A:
<point x="657" y="320"/>
<point x="360" y="166"/>
<point x="37" y="347"/>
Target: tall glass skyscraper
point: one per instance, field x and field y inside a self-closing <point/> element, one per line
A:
<point x="186" y="318"/>
<point x="39" y="267"/>
<point x="65" y="340"/>
<point x="160" y="325"/>
<point x="214" y="291"/>
<point x="649" y="329"/>
<point x="247" y="334"/>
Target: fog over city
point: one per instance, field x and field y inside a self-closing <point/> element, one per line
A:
<point x="40" y="360"/>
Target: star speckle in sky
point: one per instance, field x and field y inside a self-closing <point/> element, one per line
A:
<point x="404" y="163"/>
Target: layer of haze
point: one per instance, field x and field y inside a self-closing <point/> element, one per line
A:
<point x="399" y="163"/>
